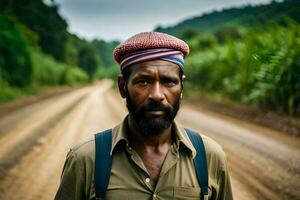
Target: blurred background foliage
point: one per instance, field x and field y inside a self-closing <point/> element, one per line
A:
<point x="37" y="51"/>
<point x="249" y="55"/>
<point x="260" y="65"/>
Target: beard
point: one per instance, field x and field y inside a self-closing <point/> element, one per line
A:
<point x="152" y="125"/>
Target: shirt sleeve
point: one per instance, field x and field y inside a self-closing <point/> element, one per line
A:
<point x="225" y="192"/>
<point x="72" y="182"/>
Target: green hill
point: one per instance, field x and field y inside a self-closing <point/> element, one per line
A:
<point x="37" y="51"/>
<point x="248" y="55"/>
<point x="244" y="16"/>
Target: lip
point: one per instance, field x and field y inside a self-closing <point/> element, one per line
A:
<point x="155" y="113"/>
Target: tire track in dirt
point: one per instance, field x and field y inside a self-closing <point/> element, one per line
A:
<point x="23" y="123"/>
<point x="267" y="167"/>
<point x="18" y="142"/>
<point x="40" y="168"/>
<point x="34" y="111"/>
<point x="7" y="108"/>
<point x="13" y="156"/>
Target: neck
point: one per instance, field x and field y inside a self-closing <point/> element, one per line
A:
<point x="155" y="140"/>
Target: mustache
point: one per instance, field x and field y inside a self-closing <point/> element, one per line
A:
<point x="155" y="106"/>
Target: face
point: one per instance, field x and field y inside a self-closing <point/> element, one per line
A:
<point x="152" y="94"/>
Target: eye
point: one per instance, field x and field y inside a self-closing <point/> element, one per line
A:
<point x="143" y="82"/>
<point x="169" y="82"/>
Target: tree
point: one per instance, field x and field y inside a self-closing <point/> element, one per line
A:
<point x="104" y="52"/>
<point x="15" y="64"/>
<point x="88" y="60"/>
<point x="227" y="33"/>
<point x="189" y="33"/>
<point x="42" y="19"/>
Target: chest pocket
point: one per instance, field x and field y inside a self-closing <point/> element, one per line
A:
<point x="189" y="193"/>
<point x="186" y="193"/>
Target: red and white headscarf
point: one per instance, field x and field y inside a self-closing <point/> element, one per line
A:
<point x="149" y="46"/>
<point x="170" y="55"/>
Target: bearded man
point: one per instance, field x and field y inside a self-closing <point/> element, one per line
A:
<point x="148" y="155"/>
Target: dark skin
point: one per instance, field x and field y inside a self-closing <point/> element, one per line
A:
<point x="158" y="81"/>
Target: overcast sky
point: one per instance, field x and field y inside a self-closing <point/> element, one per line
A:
<point x="119" y="19"/>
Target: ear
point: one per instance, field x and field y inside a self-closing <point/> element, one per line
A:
<point x="182" y="79"/>
<point x="122" y="85"/>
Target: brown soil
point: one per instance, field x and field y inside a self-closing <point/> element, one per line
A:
<point x="35" y="138"/>
<point x="280" y="122"/>
<point x="17" y="104"/>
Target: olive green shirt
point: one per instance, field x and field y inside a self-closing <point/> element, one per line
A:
<point x="129" y="178"/>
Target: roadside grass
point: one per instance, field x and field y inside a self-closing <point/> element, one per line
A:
<point x="9" y="93"/>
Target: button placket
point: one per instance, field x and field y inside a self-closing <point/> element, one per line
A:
<point x="148" y="183"/>
<point x="129" y="149"/>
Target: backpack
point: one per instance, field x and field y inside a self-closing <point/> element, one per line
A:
<point x="103" y="162"/>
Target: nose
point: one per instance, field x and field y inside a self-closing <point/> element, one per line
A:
<point x="156" y="93"/>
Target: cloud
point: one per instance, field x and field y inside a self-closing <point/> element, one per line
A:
<point x="118" y="19"/>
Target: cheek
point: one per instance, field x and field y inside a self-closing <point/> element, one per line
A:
<point x="173" y="94"/>
<point x="136" y="94"/>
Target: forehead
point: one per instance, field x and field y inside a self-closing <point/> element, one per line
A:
<point x="159" y="67"/>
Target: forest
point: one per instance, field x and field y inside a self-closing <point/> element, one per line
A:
<point x="249" y="55"/>
<point x="37" y="51"/>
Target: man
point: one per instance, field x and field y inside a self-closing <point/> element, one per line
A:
<point x="152" y="156"/>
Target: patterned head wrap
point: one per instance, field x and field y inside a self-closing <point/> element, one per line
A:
<point x="149" y="46"/>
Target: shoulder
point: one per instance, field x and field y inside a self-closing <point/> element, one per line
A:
<point x="77" y="174"/>
<point x="214" y="152"/>
<point x="211" y="146"/>
<point x="83" y="150"/>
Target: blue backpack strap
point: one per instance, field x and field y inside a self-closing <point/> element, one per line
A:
<point x="103" y="162"/>
<point x="200" y="162"/>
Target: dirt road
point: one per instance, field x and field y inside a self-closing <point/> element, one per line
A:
<point x="34" y="141"/>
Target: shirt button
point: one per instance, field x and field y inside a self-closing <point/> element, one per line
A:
<point x="147" y="180"/>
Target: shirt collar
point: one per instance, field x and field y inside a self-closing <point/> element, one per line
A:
<point x="120" y="133"/>
<point x="182" y="138"/>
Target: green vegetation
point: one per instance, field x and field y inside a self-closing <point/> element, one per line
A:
<point x="42" y="19"/>
<point x="248" y="16"/>
<point x="37" y="51"/>
<point x="47" y="71"/>
<point x="25" y="69"/>
<point x="104" y="51"/>
<point x="14" y="59"/>
<point x="262" y="67"/>
<point x="249" y="55"/>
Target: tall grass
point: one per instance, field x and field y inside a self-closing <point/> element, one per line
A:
<point x="46" y="73"/>
<point x="24" y="69"/>
<point x="262" y="67"/>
